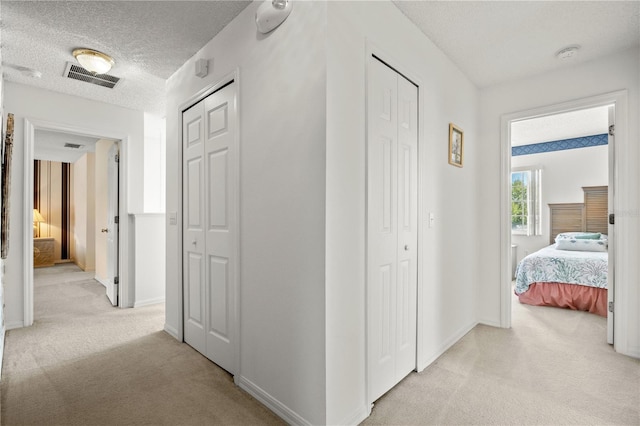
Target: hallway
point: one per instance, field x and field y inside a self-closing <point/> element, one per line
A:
<point x="86" y="362"/>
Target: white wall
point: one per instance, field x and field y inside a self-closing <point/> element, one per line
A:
<point x="564" y="173"/>
<point x="448" y="251"/>
<point x="154" y="163"/>
<point x="616" y="72"/>
<point x="284" y="182"/>
<point x="83" y="229"/>
<point x="148" y="230"/>
<point x="33" y="103"/>
<point x="282" y="215"/>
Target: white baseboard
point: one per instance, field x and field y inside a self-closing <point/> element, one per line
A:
<point x="490" y="323"/>
<point x="148" y="302"/>
<point x="100" y="280"/>
<point x="358" y="416"/>
<point x="284" y="412"/>
<point x="172" y="331"/>
<point x="422" y="364"/>
<point x="633" y="351"/>
<point x="12" y="325"/>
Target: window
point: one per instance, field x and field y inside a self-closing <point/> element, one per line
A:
<point x="525" y="202"/>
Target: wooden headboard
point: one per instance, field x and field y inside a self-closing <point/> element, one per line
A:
<point x="590" y="216"/>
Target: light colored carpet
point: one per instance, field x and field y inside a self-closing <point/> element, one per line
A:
<point x="86" y="363"/>
<point x="553" y="367"/>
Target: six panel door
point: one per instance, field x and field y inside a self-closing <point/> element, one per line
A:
<point x="392" y="239"/>
<point x="210" y="228"/>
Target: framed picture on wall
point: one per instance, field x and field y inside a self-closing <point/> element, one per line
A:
<point x="456" y="145"/>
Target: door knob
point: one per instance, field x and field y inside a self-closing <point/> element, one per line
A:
<point x="194" y="242"/>
<point x="104" y="230"/>
<point x="406" y="248"/>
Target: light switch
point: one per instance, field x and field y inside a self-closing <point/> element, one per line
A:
<point x="173" y="218"/>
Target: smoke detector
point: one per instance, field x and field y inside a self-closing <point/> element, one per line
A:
<point x="568" y="53"/>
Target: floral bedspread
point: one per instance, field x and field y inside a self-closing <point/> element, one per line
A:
<point x="562" y="266"/>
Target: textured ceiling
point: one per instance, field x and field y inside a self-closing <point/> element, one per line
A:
<point x="491" y="42"/>
<point x="49" y="145"/>
<point x="498" y="41"/>
<point x="148" y="40"/>
<point x="574" y="124"/>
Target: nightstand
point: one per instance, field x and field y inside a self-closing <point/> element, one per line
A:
<point x="43" y="252"/>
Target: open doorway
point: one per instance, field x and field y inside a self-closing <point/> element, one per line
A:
<point x="559" y="188"/>
<point x="541" y="228"/>
<point x="72" y="185"/>
<point x="75" y="187"/>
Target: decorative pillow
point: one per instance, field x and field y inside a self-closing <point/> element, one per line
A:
<point x="581" y="245"/>
<point x="581" y="236"/>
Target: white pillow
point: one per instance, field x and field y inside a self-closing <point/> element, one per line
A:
<point x="581" y="245"/>
<point x="581" y="236"/>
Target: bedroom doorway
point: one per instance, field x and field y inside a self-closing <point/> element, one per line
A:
<point x="535" y="231"/>
<point x="75" y="199"/>
<point x="46" y="141"/>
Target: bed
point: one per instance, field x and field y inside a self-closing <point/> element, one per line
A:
<point x="572" y="271"/>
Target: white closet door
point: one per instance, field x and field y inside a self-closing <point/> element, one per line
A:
<point x="391" y="227"/>
<point x="221" y="229"/>
<point x="210" y="232"/>
<point x="193" y="227"/>
<point x="407" y="227"/>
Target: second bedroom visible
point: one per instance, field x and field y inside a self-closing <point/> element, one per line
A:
<point x="559" y="210"/>
<point x="553" y="159"/>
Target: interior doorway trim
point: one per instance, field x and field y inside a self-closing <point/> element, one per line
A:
<point x="619" y="99"/>
<point x="374" y="51"/>
<point x="30" y="126"/>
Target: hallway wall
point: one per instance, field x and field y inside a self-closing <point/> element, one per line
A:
<point x="447" y="252"/>
<point x="282" y="100"/>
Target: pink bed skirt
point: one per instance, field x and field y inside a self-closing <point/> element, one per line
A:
<point x="572" y="296"/>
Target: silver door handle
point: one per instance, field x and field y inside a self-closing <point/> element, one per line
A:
<point x="194" y="242"/>
<point x="104" y="230"/>
<point x="406" y="248"/>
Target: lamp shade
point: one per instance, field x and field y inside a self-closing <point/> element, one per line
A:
<point x="94" y="61"/>
<point x="37" y="217"/>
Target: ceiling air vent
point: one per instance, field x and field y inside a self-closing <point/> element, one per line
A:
<point x="76" y="72"/>
<point x="72" y="145"/>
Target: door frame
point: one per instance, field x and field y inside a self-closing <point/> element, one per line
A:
<point x="619" y="99"/>
<point x="372" y="50"/>
<point x="30" y="126"/>
<point x="112" y="212"/>
<point x="232" y="77"/>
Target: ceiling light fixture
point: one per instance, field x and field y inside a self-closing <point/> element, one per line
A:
<point x="567" y="53"/>
<point x="94" y="61"/>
